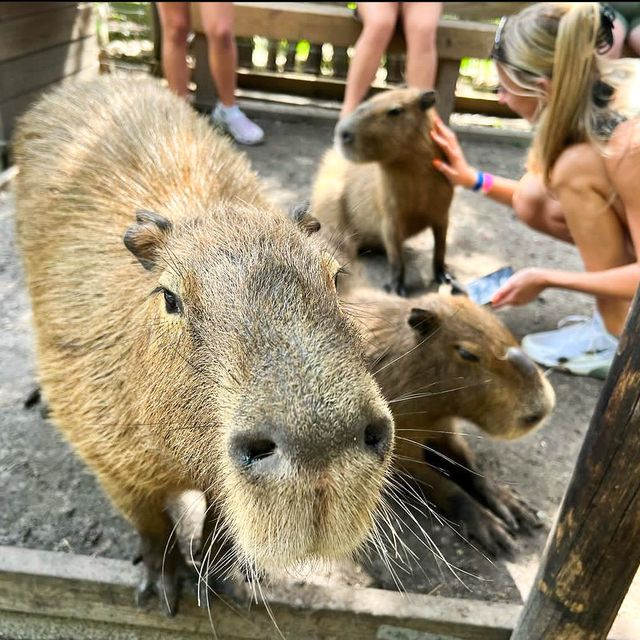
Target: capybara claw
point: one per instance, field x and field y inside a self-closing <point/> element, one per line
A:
<point x="166" y="590"/>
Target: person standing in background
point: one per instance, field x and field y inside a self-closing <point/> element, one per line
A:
<point x="379" y="19"/>
<point x="217" y="23"/>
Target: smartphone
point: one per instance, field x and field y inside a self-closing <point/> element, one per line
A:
<point x="481" y="290"/>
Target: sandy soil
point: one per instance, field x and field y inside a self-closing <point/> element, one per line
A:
<point x="51" y="501"/>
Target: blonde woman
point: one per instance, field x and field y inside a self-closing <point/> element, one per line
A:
<point x="583" y="179"/>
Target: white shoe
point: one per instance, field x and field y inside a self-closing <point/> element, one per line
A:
<point x="234" y="122"/>
<point x="581" y="345"/>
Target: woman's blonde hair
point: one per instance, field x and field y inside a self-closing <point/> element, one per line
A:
<point x="557" y="41"/>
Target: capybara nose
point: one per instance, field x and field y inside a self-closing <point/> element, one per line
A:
<point x="377" y="438"/>
<point x="265" y="451"/>
<point x="533" y="419"/>
<point x="251" y="449"/>
<point x="346" y="136"/>
<point x="522" y="361"/>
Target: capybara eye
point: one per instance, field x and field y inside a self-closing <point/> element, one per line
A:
<point x="395" y="111"/>
<point x="338" y="272"/>
<point x="171" y="302"/>
<point x="466" y="355"/>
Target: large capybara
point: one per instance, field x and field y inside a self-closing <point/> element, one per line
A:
<point x="378" y="186"/>
<point x="438" y="358"/>
<point x="189" y="335"/>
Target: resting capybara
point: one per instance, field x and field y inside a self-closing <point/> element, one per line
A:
<point x="189" y="335"/>
<point x="438" y="358"/>
<point x="378" y="187"/>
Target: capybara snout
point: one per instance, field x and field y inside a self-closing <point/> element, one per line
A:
<point x="385" y="127"/>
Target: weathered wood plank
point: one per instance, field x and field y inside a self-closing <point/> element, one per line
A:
<point x="11" y="10"/>
<point x="38" y="69"/>
<point x="35" y="32"/>
<point x="321" y="88"/>
<point x="593" y="553"/>
<point x="13" y="108"/>
<point x="322" y="23"/>
<point x="483" y="10"/>
<point x="97" y="591"/>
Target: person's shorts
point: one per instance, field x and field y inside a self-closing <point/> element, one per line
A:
<point x="628" y="13"/>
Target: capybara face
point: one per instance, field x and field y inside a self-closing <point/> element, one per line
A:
<point x="259" y="382"/>
<point x="385" y="128"/>
<point x="443" y="356"/>
<point x="472" y="353"/>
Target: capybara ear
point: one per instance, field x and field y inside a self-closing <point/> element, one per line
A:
<point x="146" y="237"/>
<point x="301" y="216"/>
<point x="427" y="99"/>
<point x="424" y="321"/>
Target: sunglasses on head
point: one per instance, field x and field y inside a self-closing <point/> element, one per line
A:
<point x="498" y="53"/>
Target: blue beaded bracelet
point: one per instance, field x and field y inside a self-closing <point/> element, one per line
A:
<point x="479" y="182"/>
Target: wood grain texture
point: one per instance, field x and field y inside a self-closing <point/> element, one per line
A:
<point x="98" y="593"/>
<point x="593" y="553"/>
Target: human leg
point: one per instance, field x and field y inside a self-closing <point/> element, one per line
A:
<point x="620" y="29"/>
<point x="585" y="195"/>
<point x="420" y="23"/>
<point x="378" y="23"/>
<point x="217" y="22"/>
<point x="586" y="346"/>
<point x="537" y="209"/>
<point x="174" y="19"/>
<point x="633" y="38"/>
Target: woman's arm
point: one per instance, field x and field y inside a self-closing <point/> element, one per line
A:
<point x="525" y="285"/>
<point x="459" y="172"/>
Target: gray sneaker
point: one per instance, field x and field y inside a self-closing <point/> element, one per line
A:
<point x="581" y="345"/>
<point x="234" y="122"/>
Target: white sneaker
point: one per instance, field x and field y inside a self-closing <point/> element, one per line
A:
<point x="234" y="122"/>
<point x="581" y="345"/>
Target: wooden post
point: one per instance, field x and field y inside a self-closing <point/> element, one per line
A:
<point x="593" y="552"/>
<point x="448" y="71"/>
<point x="312" y="65"/>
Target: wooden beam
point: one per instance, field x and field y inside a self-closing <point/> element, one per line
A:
<point x="320" y="88"/>
<point x="83" y="597"/>
<point x="31" y="71"/>
<point x="12" y="10"/>
<point x="38" y="31"/>
<point x="322" y="23"/>
<point x="593" y="551"/>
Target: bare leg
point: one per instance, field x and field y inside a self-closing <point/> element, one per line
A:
<point x="420" y="22"/>
<point x="619" y="33"/>
<point x="633" y="39"/>
<point x="584" y="192"/>
<point x="378" y="23"/>
<point x="174" y="18"/>
<point x="217" y="23"/>
<point x="538" y="210"/>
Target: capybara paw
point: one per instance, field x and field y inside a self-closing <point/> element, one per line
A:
<point x="484" y="527"/>
<point x="165" y="587"/>
<point x="235" y="591"/>
<point x="526" y="517"/>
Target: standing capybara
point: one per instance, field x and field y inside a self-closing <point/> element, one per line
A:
<point x="379" y="186"/>
<point x="189" y="334"/>
<point x="438" y="358"/>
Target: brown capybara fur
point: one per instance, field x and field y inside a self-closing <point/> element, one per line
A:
<point x="378" y="187"/>
<point x="438" y="358"/>
<point x="209" y="353"/>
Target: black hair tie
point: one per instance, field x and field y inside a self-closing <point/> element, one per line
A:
<point x="604" y="40"/>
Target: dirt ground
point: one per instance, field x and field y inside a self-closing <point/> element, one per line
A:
<point x="51" y="501"/>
